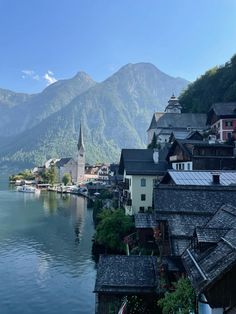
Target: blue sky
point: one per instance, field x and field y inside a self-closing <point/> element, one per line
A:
<point x="45" y="40"/>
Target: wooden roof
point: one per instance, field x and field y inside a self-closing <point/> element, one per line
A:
<point x="121" y="274"/>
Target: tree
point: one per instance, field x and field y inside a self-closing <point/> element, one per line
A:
<point x="181" y="301"/>
<point x="52" y="174"/>
<point x="154" y="143"/>
<point x="66" y="178"/>
<point x="113" y="226"/>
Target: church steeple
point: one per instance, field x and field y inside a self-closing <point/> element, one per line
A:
<point x="80" y="144"/>
<point x="173" y="105"/>
<point x="81" y="156"/>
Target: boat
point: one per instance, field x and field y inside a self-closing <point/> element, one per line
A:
<point x="27" y="189"/>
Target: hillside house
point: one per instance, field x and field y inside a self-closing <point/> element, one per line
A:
<point x="222" y="119"/>
<point x="201" y="155"/>
<point x="163" y="124"/>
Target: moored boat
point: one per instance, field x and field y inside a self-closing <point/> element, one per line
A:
<point x="28" y="189"/>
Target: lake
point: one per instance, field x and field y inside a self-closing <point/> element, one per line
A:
<point x="45" y="253"/>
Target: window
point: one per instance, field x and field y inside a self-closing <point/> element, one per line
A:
<point x="143" y="182"/>
<point x="143" y="197"/>
<point x="189" y="166"/>
<point x="228" y="123"/>
<point x="141" y="209"/>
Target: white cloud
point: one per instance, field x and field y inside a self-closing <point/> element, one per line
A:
<point x="28" y="72"/>
<point x="49" y="77"/>
<point x="31" y="74"/>
<point x="36" y="77"/>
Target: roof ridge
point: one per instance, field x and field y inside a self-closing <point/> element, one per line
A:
<point x="196" y="264"/>
<point x="228" y="243"/>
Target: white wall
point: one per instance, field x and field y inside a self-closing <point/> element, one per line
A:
<point x="136" y="190"/>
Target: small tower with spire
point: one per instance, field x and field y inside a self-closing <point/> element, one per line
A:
<point x="173" y="105"/>
<point x="81" y="156"/>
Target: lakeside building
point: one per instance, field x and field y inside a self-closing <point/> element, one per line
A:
<point x="222" y="119"/>
<point x="163" y="124"/>
<point x="201" y="155"/>
<point x="74" y="167"/>
<point x="119" y="276"/>
<point x="141" y="168"/>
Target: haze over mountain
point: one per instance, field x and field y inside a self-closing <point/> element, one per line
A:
<point x="115" y="114"/>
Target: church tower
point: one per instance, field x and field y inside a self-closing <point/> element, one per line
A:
<point x="173" y="105"/>
<point x="81" y="156"/>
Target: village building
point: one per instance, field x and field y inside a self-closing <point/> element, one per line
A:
<point x="210" y="262"/>
<point x="120" y="275"/>
<point x="186" y="199"/>
<point x="163" y="124"/>
<point x="74" y="167"/>
<point x="201" y="155"/>
<point x="222" y="119"/>
<point x="140" y="168"/>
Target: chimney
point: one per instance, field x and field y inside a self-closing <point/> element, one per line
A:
<point x="156" y="156"/>
<point x="215" y="178"/>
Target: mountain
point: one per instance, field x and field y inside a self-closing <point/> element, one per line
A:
<point x="35" y="108"/>
<point x="115" y="114"/>
<point x="216" y="85"/>
<point x="9" y="99"/>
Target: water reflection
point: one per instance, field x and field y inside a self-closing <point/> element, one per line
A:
<point x="45" y="254"/>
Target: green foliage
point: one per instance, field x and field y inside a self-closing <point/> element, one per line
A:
<point x="23" y="175"/>
<point x="112" y="227"/>
<point x="154" y="143"/>
<point x="216" y="85"/>
<point x="52" y="174"/>
<point x="66" y="178"/>
<point x="138" y="304"/>
<point x="181" y="301"/>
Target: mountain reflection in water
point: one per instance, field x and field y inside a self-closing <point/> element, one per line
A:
<point x="45" y="254"/>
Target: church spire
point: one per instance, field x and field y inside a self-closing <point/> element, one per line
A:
<point x="81" y="138"/>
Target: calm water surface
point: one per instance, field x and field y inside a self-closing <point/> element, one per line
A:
<point x="45" y="254"/>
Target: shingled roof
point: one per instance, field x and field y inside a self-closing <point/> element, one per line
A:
<point x="140" y="161"/>
<point x="145" y="220"/>
<point x="222" y="110"/>
<point x="205" y="267"/>
<point x="180" y="120"/>
<point x="181" y="227"/>
<point x="226" y="108"/>
<point x="62" y="162"/>
<point x="127" y="274"/>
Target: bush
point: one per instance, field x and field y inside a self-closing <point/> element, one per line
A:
<point x="113" y="226"/>
<point x="181" y="301"/>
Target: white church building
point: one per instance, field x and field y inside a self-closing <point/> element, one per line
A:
<point x="73" y="166"/>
